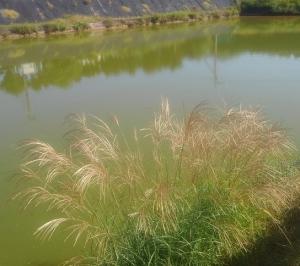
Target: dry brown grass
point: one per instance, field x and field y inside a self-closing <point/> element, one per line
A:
<point x="9" y="14"/>
<point x="126" y="9"/>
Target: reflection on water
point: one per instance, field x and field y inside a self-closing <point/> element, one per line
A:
<point x="63" y="61"/>
<point x="252" y="61"/>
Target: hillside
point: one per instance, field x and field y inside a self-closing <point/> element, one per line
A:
<point x="41" y="10"/>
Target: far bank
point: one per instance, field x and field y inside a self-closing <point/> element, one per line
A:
<point x="77" y="24"/>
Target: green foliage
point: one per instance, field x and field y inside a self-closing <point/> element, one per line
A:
<point x="54" y="27"/>
<point x="275" y="7"/>
<point x="108" y="23"/>
<point x="192" y="16"/>
<point x="24" y="29"/>
<point x="80" y="26"/>
<point x="81" y="23"/>
<point x="154" y="19"/>
<point x="163" y="18"/>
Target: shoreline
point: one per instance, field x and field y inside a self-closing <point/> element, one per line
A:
<point x="79" y="24"/>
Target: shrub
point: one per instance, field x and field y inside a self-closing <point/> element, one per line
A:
<point x="192" y="16"/>
<point x="177" y="16"/>
<point x="163" y="19"/>
<point x="108" y="23"/>
<point x="140" y="21"/>
<point x="179" y="192"/>
<point x="53" y="27"/>
<point x="80" y="26"/>
<point x="169" y="17"/>
<point x="154" y="19"/>
<point x="24" y="29"/>
<point x="216" y="14"/>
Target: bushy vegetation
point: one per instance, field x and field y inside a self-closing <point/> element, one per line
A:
<point x="82" y="23"/>
<point x="29" y="29"/>
<point x="80" y="26"/>
<point x="24" y="29"/>
<point x="185" y="16"/>
<point x="180" y="192"/>
<point x="171" y="17"/>
<point x="108" y="23"/>
<point x="54" y="27"/>
<point x="271" y="7"/>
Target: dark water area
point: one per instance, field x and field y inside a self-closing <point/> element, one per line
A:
<point x="248" y="62"/>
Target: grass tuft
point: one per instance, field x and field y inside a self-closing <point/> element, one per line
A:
<point x="54" y="27"/>
<point x="24" y="29"/>
<point x="186" y="191"/>
<point x="80" y="26"/>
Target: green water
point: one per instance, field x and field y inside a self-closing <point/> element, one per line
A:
<point x="253" y="62"/>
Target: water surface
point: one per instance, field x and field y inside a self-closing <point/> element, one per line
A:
<point x="253" y="61"/>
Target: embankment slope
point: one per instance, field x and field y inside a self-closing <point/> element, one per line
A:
<point x="20" y="11"/>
